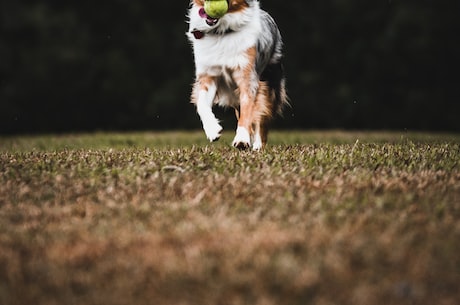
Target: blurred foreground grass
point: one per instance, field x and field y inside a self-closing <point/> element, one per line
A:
<point x="166" y="218"/>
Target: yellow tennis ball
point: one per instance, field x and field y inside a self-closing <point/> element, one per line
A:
<point x="215" y="8"/>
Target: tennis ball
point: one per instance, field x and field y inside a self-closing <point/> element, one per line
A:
<point x="215" y="8"/>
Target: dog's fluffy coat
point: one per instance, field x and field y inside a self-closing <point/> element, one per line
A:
<point x="238" y="64"/>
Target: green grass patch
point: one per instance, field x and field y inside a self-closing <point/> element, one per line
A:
<point x="167" y="218"/>
<point x="180" y="139"/>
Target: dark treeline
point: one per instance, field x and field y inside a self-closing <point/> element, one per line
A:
<point x="124" y="65"/>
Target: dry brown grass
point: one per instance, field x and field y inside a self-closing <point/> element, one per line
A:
<point x="330" y="221"/>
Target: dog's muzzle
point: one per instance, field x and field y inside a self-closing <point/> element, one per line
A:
<point x="209" y="20"/>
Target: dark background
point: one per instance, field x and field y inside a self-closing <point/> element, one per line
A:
<point x="126" y="65"/>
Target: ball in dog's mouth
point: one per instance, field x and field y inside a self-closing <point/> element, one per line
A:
<point x="216" y="8"/>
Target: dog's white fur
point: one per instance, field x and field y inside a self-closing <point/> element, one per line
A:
<point x="232" y="58"/>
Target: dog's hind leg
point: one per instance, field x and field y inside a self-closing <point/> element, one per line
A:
<point x="261" y="116"/>
<point x="257" y="142"/>
<point x="204" y="93"/>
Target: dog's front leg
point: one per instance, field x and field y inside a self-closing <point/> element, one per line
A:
<point x="247" y="82"/>
<point x="204" y="93"/>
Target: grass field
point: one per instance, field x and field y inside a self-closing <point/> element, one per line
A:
<point x="166" y="218"/>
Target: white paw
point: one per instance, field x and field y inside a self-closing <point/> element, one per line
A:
<point x="257" y="145"/>
<point x="212" y="129"/>
<point x="242" y="138"/>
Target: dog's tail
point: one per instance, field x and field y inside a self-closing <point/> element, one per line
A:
<point x="274" y="76"/>
<point x="269" y="64"/>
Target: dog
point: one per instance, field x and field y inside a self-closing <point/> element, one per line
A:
<point x="237" y="64"/>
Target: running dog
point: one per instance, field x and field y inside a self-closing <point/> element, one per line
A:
<point x="238" y="65"/>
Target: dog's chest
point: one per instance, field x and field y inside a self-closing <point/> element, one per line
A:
<point x="229" y="51"/>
